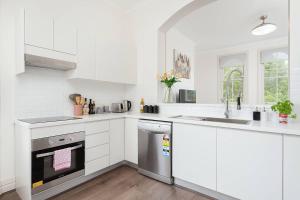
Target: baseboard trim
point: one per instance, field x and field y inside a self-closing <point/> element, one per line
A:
<point x="7" y="185"/>
<point x="73" y="183"/>
<point x="130" y="164"/>
<point x="202" y="190"/>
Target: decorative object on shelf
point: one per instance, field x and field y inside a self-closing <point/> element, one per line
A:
<point x="182" y="65"/>
<point x="285" y="110"/>
<point x="169" y="79"/>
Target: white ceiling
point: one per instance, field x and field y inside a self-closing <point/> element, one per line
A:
<point x="229" y="22"/>
<point x="126" y="5"/>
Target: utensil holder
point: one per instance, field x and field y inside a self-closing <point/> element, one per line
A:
<point x="78" y="110"/>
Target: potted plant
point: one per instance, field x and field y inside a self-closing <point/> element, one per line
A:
<point x="285" y="110"/>
<point x="169" y="79"/>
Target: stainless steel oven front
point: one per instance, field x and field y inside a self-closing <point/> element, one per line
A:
<point x="44" y="176"/>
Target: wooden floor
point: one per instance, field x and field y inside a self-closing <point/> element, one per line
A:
<point x="123" y="183"/>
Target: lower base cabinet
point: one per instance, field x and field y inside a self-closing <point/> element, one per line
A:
<point x="194" y="154"/>
<point x="131" y="140"/>
<point x="249" y="164"/>
<point x="96" y="165"/>
<point x="116" y="141"/>
<point x="291" y="167"/>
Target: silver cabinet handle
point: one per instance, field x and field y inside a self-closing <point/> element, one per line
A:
<point x="52" y="153"/>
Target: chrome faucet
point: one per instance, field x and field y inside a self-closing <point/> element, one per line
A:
<point x="227" y="112"/>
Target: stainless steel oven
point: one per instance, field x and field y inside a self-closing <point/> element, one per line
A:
<point x="44" y="176"/>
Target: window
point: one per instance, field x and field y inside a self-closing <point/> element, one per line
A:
<point x="275" y="75"/>
<point x="237" y="80"/>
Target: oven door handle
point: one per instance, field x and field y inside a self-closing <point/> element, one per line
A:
<point x="52" y="153"/>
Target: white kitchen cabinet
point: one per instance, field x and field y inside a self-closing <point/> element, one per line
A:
<point x="194" y="154"/>
<point x="116" y="54"/>
<point x="38" y="34"/>
<point x="249" y="164"/>
<point x="131" y="140"/>
<point x="86" y="55"/>
<point x="97" y="139"/>
<point x="96" y="165"/>
<point x="38" y="29"/>
<point x="65" y="36"/>
<point x="116" y="139"/>
<point x="291" y="167"/>
<point x="97" y="144"/>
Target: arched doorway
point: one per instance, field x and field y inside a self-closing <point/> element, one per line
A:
<point x="161" y="65"/>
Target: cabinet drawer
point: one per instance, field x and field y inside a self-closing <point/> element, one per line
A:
<point x="96" y="152"/>
<point x="97" y="127"/>
<point x="96" y="165"/>
<point x="97" y="139"/>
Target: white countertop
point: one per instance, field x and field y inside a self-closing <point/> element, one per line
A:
<point x="293" y="128"/>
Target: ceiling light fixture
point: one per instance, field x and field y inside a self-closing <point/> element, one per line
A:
<point x="264" y="28"/>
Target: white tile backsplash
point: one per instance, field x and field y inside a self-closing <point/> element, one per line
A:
<point x="45" y="92"/>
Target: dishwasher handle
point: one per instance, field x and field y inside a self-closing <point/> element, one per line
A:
<point x="155" y="127"/>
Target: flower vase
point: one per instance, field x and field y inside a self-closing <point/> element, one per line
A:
<point x="168" y="96"/>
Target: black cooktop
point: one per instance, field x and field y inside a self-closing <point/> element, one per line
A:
<point x="48" y="119"/>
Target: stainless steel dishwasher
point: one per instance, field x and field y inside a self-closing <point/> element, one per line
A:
<point x="155" y="150"/>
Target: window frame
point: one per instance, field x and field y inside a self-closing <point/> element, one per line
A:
<point x="261" y="73"/>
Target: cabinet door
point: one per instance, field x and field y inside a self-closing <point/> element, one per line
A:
<point x="249" y="164"/>
<point x="194" y="154"/>
<point x="131" y="140"/>
<point x="38" y="29"/>
<point x="65" y="36"/>
<point x="291" y="167"/>
<point x="117" y="128"/>
<point x="116" y="54"/>
<point x="86" y="55"/>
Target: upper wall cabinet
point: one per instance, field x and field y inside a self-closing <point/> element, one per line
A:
<point x="86" y="55"/>
<point x="44" y="31"/>
<point x="106" y="53"/>
<point x="115" y="57"/>
<point x="65" y="36"/>
<point x="38" y="29"/>
<point x="40" y="35"/>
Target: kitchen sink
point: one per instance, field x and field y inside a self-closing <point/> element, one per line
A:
<point x="212" y="119"/>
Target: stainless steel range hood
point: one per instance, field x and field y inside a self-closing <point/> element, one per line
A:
<point x="45" y="62"/>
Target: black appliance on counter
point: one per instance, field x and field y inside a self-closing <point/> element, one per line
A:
<point x="187" y="96"/>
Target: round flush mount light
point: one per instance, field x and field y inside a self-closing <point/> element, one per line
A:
<point x="264" y="28"/>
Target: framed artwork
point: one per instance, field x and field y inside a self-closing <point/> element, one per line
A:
<point x="182" y="65"/>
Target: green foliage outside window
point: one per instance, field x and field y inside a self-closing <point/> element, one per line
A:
<point x="276" y="79"/>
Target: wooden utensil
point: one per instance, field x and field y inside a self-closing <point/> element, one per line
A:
<point x="77" y="100"/>
<point x="72" y="97"/>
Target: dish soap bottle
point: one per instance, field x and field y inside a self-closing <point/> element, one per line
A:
<point x="142" y="103"/>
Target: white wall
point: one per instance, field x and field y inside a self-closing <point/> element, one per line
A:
<point x="6" y="98"/>
<point x="206" y="63"/>
<point x="294" y="53"/>
<point x="44" y="92"/>
<point x="176" y="40"/>
<point x="148" y="19"/>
